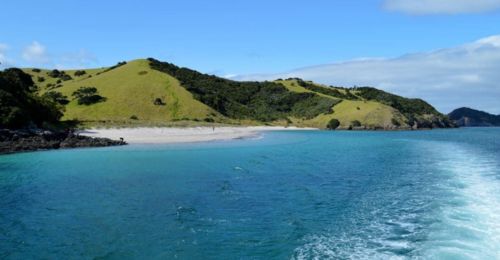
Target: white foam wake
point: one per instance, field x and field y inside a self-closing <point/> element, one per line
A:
<point x="470" y="221"/>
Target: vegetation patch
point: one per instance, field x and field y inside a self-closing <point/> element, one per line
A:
<point x="262" y="101"/>
<point x="87" y="96"/>
<point x="56" y="97"/>
<point x="19" y="104"/>
<point x="79" y="73"/>
<point x="333" y="124"/>
<point x="329" y="91"/>
<point x="119" y="64"/>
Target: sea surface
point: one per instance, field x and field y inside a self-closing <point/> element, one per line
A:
<point x="286" y="195"/>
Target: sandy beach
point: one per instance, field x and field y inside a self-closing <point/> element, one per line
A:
<point x="163" y="135"/>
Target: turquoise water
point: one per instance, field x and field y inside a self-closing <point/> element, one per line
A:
<point x="288" y="195"/>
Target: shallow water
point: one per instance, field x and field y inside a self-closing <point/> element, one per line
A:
<point x="289" y="195"/>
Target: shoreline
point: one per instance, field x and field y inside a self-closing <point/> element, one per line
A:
<point x="167" y="135"/>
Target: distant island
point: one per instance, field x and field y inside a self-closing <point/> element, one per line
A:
<point x="40" y="109"/>
<point x="470" y="117"/>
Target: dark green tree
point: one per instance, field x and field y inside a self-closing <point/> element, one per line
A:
<point x="333" y="124"/>
<point x="87" y="96"/>
<point x="356" y="123"/>
<point x="20" y="106"/>
<point x="56" y="97"/>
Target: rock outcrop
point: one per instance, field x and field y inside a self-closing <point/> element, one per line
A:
<point x="12" y="141"/>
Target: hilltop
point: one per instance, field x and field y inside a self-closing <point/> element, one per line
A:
<point x="147" y="92"/>
<point x="465" y="116"/>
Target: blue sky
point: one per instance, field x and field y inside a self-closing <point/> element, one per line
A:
<point x="241" y="37"/>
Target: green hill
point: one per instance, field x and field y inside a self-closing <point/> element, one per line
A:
<point x="149" y="92"/>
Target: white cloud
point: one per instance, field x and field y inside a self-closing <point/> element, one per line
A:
<point x="467" y="75"/>
<point x="422" y="7"/>
<point x="36" y="53"/>
<point x="4" y="60"/>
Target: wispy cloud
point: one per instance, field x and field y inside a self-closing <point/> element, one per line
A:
<point x="466" y="75"/>
<point x="4" y="60"/>
<point x="424" y="7"/>
<point x="36" y="53"/>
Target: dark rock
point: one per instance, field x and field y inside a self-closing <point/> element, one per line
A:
<point x="22" y="140"/>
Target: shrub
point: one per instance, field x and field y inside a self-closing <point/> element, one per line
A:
<point x="56" y="97"/>
<point x="134" y="117"/>
<point x="209" y="120"/>
<point x="333" y="124"/>
<point x="142" y="73"/>
<point x="159" y="102"/>
<point x="87" y="96"/>
<point x="54" y="73"/>
<point x="41" y="79"/>
<point x="395" y="122"/>
<point x="36" y="70"/>
<point x="79" y="73"/>
<point x="356" y="123"/>
<point x="59" y="74"/>
<point x="66" y="77"/>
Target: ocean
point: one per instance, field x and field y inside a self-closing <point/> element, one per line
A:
<point x="285" y="195"/>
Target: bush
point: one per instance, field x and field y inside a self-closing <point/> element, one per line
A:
<point x="79" y="73"/>
<point x="333" y="124"/>
<point x="159" y="102"/>
<point x="66" y="77"/>
<point x="395" y="122"/>
<point x="54" y="73"/>
<point x="142" y="73"/>
<point x="134" y="117"/>
<point x="356" y="123"/>
<point x="59" y="74"/>
<point x="87" y="96"/>
<point x="56" y="97"/>
<point x="36" y="70"/>
<point x="41" y="79"/>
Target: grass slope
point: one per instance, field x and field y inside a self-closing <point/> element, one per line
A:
<point x="130" y="90"/>
<point x="368" y="113"/>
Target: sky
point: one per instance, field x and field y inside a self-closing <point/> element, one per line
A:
<point x="446" y="52"/>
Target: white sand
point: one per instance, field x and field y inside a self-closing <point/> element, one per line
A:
<point x="162" y="135"/>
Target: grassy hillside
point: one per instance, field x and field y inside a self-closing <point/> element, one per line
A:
<point x="131" y="91"/>
<point x="368" y="113"/>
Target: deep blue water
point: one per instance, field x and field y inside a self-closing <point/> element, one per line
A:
<point x="288" y="195"/>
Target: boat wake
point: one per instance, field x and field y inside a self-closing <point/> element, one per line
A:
<point x="463" y="222"/>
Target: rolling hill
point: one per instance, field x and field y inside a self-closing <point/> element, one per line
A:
<point x="147" y="92"/>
